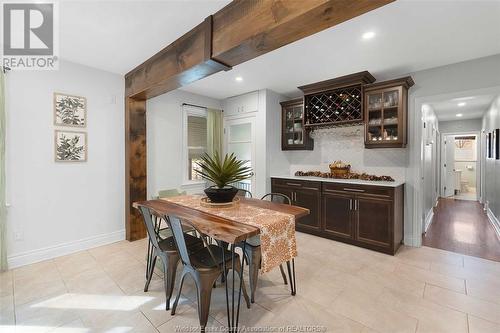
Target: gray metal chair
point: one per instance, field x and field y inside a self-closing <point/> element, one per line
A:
<point x="204" y="266"/>
<point x="253" y="254"/>
<point x="163" y="232"/>
<point x="244" y="193"/>
<point x="165" y="249"/>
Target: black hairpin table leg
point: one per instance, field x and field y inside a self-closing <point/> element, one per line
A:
<point x="291" y="276"/>
<point x="232" y="320"/>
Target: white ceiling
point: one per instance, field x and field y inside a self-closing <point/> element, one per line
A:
<point x="410" y="36"/>
<point x="475" y="107"/>
<point x="116" y="36"/>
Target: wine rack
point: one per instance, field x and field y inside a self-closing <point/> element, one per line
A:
<point x="335" y="106"/>
<point x="335" y="102"/>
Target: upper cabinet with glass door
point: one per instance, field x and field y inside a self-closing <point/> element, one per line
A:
<point x="386" y="113"/>
<point x="294" y="135"/>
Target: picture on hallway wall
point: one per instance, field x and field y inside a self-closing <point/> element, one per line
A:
<point x="489" y="144"/>
<point x="70" y="110"/>
<point x="70" y="146"/>
<point x="496" y="139"/>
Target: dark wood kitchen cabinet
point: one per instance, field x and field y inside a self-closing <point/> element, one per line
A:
<point x="386" y="113"/>
<point x="294" y="135"/>
<point x="368" y="216"/>
<point x="304" y="194"/>
<point x="336" y="215"/>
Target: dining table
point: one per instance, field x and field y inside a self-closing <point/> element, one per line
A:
<point x="273" y="222"/>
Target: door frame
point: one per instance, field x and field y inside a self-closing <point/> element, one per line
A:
<point x="479" y="185"/>
<point x="244" y="118"/>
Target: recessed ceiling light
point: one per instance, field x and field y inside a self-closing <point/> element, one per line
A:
<point x="461" y="104"/>
<point x="238" y="79"/>
<point x="368" y="35"/>
<point x="459" y="115"/>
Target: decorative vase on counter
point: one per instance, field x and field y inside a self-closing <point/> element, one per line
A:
<point x="340" y="168"/>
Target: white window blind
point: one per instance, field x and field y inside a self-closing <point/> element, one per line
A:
<point x="196" y="138"/>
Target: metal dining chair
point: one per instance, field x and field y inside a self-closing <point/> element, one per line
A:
<point x="165" y="249"/>
<point x="163" y="231"/>
<point x="204" y="266"/>
<point x="244" y="193"/>
<point x="253" y="253"/>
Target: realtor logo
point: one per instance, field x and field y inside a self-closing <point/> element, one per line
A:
<point x="29" y="41"/>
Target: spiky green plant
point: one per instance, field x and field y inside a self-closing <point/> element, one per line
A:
<point x="225" y="171"/>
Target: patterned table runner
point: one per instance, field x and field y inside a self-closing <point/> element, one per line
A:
<point x="277" y="230"/>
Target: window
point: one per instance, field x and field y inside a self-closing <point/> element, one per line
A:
<point x="195" y="139"/>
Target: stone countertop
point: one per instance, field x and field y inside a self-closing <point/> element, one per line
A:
<point x="342" y="181"/>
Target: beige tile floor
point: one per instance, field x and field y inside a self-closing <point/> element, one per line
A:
<point x="341" y="288"/>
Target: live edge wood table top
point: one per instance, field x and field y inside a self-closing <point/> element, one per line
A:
<point x="220" y="228"/>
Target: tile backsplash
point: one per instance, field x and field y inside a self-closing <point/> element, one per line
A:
<point x="347" y="144"/>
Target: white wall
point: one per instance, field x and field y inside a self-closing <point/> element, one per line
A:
<point x="164" y="139"/>
<point x="460" y="126"/>
<point x="491" y="121"/>
<point x="276" y="159"/>
<point x="430" y="163"/>
<point x="57" y="208"/>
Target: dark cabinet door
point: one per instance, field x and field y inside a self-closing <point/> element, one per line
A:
<point x="283" y="190"/>
<point x="337" y="215"/>
<point x="310" y="199"/>
<point x="373" y="222"/>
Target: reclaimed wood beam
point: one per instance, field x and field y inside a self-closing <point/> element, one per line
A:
<point x="135" y="165"/>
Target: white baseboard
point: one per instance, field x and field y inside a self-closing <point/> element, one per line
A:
<point x="412" y="241"/>
<point x="494" y="221"/>
<point x="429" y="219"/>
<point x="30" y="257"/>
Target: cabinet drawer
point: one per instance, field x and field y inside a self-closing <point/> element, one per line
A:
<point x="298" y="184"/>
<point x="369" y="190"/>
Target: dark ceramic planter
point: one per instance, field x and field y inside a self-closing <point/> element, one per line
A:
<point x="221" y="195"/>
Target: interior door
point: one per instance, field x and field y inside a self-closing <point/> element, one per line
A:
<point x="448" y="165"/>
<point x="239" y="138"/>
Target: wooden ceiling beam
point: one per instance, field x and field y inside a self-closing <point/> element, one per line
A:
<point x="241" y="31"/>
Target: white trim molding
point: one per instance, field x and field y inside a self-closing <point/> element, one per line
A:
<point x="51" y="252"/>
<point x="494" y="221"/>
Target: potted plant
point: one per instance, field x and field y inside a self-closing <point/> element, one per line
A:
<point x="222" y="172"/>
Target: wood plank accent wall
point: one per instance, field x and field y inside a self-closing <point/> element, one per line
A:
<point x="241" y="31"/>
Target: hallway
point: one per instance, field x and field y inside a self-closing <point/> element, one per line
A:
<point x="462" y="226"/>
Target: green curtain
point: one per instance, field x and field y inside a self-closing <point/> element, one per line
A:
<point x="3" y="207"/>
<point x="214" y="131"/>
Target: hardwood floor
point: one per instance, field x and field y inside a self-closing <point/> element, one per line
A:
<point x="462" y="226"/>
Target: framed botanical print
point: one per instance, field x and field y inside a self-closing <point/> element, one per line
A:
<point x="70" y="110"/>
<point x="70" y="146"/>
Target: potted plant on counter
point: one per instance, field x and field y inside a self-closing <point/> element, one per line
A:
<point x="222" y="172"/>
